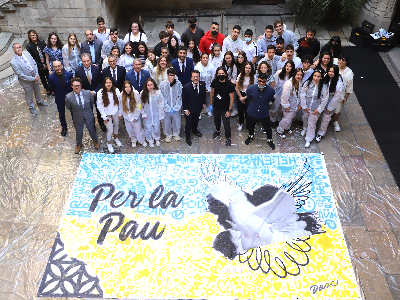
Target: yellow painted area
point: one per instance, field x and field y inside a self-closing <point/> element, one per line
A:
<point x="183" y="264"/>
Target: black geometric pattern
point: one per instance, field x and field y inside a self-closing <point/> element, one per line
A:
<point x="67" y="277"/>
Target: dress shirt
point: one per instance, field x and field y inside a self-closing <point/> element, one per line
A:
<point x="79" y="99"/>
<point x="196" y="87"/>
<point x="116" y="73"/>
<point x="182" y="63"/>
<point x="92" y="52"/>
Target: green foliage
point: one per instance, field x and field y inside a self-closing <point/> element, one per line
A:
<point x="313" y="11"/>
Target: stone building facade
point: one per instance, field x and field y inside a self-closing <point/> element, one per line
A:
<point x="378" y="12"/>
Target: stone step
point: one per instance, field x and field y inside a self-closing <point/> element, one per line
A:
<point x="6" y="74"/>
<point x="5" y="41"/>
<point x="5" y="59"/>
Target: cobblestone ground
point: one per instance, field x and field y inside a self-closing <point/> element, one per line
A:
<point x="38" y="167"/>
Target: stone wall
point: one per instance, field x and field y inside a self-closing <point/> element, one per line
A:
<point x="61" y="16"/>
<point x="128" y="6"/>
<point x="378" y="12"/>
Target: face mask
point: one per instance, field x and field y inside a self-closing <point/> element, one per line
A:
<point x="221" y="77"/>
<point x="173" y="83"/>
<point x="193" y="26"/>
<point x="214" y="32"/>
<point x="259" y="87"/>
<point x="247" y="40"/>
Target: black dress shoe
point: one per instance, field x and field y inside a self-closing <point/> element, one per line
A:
<point x="198" y="133"/>
<point x="189" y="142"/>
<point x="103" y="128"/>
<point x="64" y="131"/>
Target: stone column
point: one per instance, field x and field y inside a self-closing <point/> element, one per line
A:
<point x="378" y="12"/>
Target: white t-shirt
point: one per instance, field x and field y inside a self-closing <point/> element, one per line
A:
<point x="136" y="38"/>
<point x="250" y="50"/>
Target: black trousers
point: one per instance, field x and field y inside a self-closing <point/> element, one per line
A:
<point x="251" y="124"/>
<point x="242" y="110"/>
<point x="192" y="121"/>
<point x="218" y="114"/>
<point x="44" y="78"/>
<point x="61" y="114"/>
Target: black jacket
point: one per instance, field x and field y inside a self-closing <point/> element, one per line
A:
<point x="32" y="49"/>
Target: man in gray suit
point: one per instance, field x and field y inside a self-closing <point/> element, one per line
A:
<point x="80" y="103"/>
<point x="28" y="76"/>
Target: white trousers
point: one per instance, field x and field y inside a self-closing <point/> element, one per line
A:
<point x="275" y="110"/>
<point x="112" y="126"/>
<point x="286" y="122"/>
<point x="152" y="132"/>
<point x="135" y="131"/>
<point x="325" y="119"/>
<point x="310" y="123"/>
<point x="172" y="124"/>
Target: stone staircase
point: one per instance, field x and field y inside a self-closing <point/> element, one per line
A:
<point x="6" y="53"/>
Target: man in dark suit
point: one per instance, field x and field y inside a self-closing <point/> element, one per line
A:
<point x="91" y="80"/>
<point x="116" y="73"/>
<point x="193" y="101"/>
<point x="137" y="76"/>
<point x="60" y="84"/>
<point x="93" y="47"/>
<point x="183" y="66"/>
<point x="80" y="103"/>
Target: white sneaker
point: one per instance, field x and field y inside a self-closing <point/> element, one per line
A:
<point x="167" y="139"/>
<point x="200" y="117"/>
<point x="281" y="135"/>
<point x="318" y="138"/>
<point x="289" y="131"/>
<point x="177" y="137"/>
<point x="144" y="144"/>
<point x="158" y="143"/>
<point x="336" y="126"/>
<point x="234" y="113"/>
<point x="110" y="148"/>
<point x="303" y="132"/>
<point x="240" y="127"/>
<point x="209" y="114"/>
<point x="118" y="142"/>
<point x="307" y="144"/>
<point x="151" y="145"/>
<point x="133" y="144"/>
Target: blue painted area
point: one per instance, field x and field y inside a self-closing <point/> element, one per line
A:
<point x="192" y="177"/>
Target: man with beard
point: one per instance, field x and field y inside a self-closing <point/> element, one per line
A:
<point x="308" y="45"/>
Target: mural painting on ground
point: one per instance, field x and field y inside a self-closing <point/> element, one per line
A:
<point x="200" y="226"/>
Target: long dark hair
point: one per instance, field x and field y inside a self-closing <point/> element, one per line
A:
<point x="106" y="101"/>
<point x="292" y="73"/>
<point x="132" y="100"/>
<point x="238" y="64"/>
<point x="129" y="44"/>
<point x="323" y="53"/>
<point x="334" y="80"/>
<point x="295" y="85"/>
<point x="321" y="82"/>
<point x="334" y="42"/>
<point x="140" y="27"/>
<point x="146" y="50"/>
<point x="29" y="35"/>
<point x="215" y="45"/>
<point x="58" y="43"/>
<point x="218" y="69"/>
<point x="196" y="53"/>
<point x="232" y="63"/>
<point x="145" y="92"/>
<point x="243" y="74"/>
<point x="116" y="47"/>
<point x="173" y="52"/>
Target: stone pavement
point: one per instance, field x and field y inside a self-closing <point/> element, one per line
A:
<point x="38" y="168"/>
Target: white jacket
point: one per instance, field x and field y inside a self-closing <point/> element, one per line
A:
<point x="112" y="108"/>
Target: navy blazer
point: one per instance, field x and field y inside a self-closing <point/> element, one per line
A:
<point x="131" y="76"/>
<point x="191" y="100"/>
<point x="97" y="82"/>
<point x="121" y="73"/>
<point x="56" y="87"/>
<point x="97" y="51"/>
<point x="189" y="67"/>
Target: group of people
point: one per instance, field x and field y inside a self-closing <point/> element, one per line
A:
<point x="273" y="81"/>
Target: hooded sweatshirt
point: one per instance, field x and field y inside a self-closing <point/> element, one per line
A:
<point x="207" y="41"/>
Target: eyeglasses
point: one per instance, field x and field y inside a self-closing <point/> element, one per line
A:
<point x="89" y="34"/>
<point x="261" y="81"/>
<point x="76" y="85"/>
<point x="33" y="34"/>
<point x="172" y="75"/>
<point x="114" y="33"/>
<point x="135" y="26"/>
<point x="343" y="59"/>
